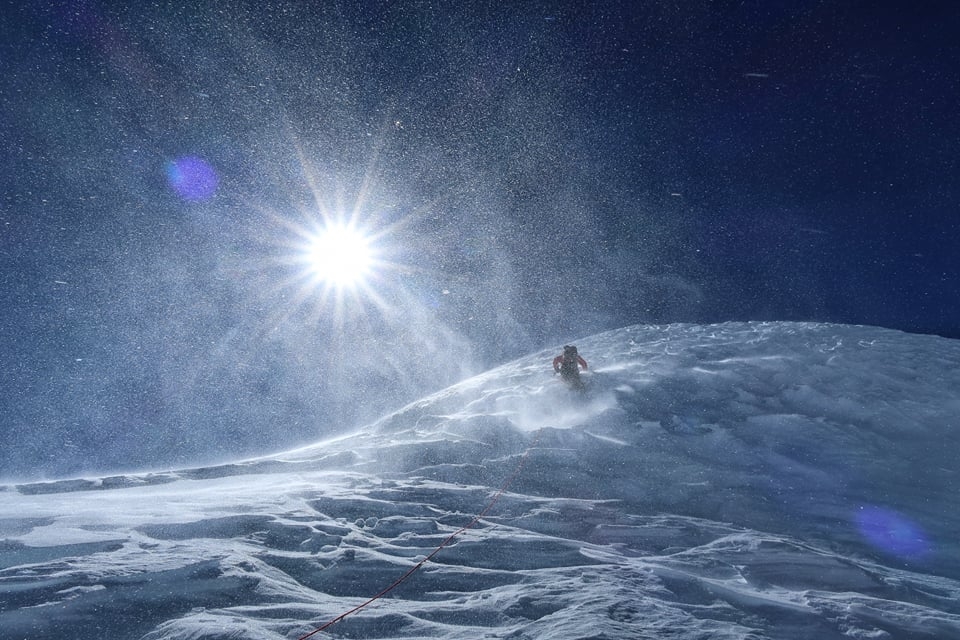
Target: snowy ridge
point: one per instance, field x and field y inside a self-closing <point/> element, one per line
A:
<point x="747" y="480"/>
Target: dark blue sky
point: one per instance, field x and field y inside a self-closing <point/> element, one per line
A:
<point x="531" y="173"/>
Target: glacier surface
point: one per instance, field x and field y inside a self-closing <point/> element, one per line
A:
<point x="742" y="480"/>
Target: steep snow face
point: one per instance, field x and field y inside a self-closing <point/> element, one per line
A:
<point x="799" y="428"/>
<point x="730" y="481"/>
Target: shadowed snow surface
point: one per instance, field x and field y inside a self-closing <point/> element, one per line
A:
<point x="748" y="481"/>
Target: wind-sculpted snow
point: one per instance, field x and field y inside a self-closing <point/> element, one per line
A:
<point x="742" y="481"/>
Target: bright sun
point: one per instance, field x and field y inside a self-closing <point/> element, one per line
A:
<point x="340" y="256"/>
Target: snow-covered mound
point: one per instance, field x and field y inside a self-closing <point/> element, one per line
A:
<point x="730" y="481"/>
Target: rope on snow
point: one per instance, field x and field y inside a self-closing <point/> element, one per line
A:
<point x="396" y="583"/>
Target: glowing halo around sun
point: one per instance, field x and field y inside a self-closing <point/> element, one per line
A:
<point x="336" y="268"/>
<point x="340" y="256"/>
<point x="336" y="258"/>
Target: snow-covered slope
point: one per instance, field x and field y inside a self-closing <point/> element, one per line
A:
<point x="730" y="481"/>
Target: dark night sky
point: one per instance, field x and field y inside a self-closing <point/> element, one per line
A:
<point x="529" y="174"/>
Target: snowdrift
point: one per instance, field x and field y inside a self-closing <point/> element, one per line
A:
<point x="748" y="480"/>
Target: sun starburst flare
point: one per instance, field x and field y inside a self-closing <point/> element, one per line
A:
<point x="337" y="256"/>
<point x="340" y="256"/>
<point x="338" y="266"/>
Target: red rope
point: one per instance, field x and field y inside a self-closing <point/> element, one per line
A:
<point x="413" y="569"/>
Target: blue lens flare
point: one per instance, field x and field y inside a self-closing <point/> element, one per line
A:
<point x="891" y="532"/>
<point x="192" y="178"/>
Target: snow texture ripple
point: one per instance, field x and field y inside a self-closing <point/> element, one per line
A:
<point x="736" y="481"/>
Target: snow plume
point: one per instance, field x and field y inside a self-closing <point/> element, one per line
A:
<point x="526" y="396"/>
<point x="762" y="480"/>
